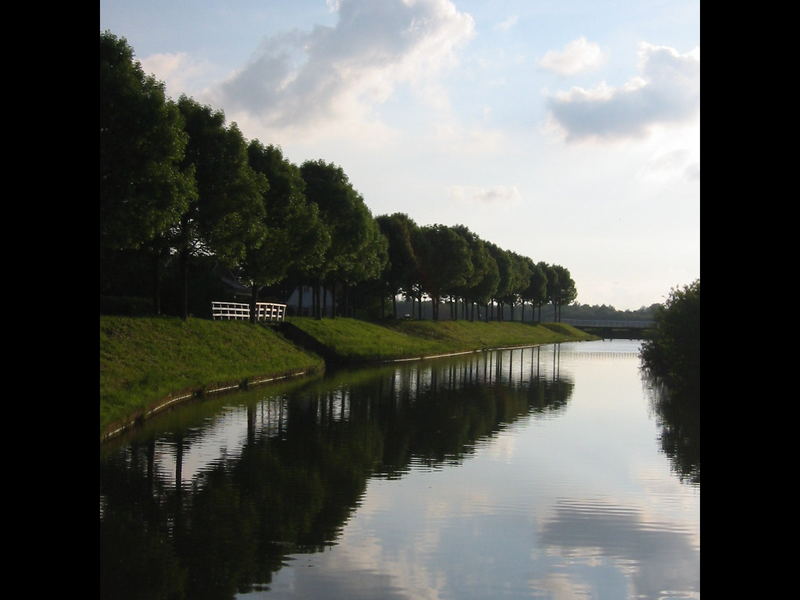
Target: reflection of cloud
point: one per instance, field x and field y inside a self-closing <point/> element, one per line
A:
<point x="355" y="584"/>
<point x="579" y="55"/>
<point x="658" y="555"/>
<point x="668" y="91"/>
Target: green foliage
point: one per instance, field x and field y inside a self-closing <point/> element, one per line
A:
<point x="673" y="351"/>
<point x="401" y="268"/>
<point x="536" y="290"/>
<point x="342" y="209"/>
<point x="178" y="183"/>
<point x="295" y="236"/>
<point x="444" y="261"/>
<point x="143" y="188"/>
<point x="228" y="215"/>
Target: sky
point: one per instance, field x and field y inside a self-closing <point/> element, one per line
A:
<point x="564" y="130"/>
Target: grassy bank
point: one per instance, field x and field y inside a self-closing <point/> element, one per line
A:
<point x="145" y="361"/>
<point x="354" y="340"/>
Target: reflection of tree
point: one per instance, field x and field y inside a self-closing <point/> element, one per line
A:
<point x="677" y="411"/>
<point x="293" y="487"/>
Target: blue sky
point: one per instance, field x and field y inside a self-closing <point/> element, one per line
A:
<point x="566" y="131"/>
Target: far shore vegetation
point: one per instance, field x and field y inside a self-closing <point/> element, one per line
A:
<point x="672" y="352"/>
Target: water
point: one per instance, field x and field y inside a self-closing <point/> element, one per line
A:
<point x="554" y="473"/>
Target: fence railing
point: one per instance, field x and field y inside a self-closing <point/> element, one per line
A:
<point x="265" y="311"/>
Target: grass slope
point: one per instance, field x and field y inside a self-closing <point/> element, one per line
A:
<point x="144" y="360"/>
<point x="351" y="339"/>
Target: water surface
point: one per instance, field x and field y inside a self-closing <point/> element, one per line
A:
<point x="556" y="472"/>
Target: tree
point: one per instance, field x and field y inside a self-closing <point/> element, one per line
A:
<point x="295" y="236"/>
<point x="401" y="268"/>
<point x="486" y="288"/>
<point x="563" y="290"/>
<point x="144" y="186"/>
<point x="505" y="281"/>
<point x="444" y="262"/>
<point x="518" y="280"/>
<point x="536" y="291"/>
<point x="673" y="351"/>
<point x="474" y="285"/>
<point x="228" y="216"/>
<point x="350" y="223"/>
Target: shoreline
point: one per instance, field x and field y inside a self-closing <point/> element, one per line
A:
<point x="310" y="352"/>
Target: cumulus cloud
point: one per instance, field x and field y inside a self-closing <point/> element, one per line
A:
<point x="666" y="91"/>
<point x="577" y="56"/>
<point x="507" y="24"/>
<point x="302" y="79"/>
<point x="667" y="165"/>
<point x="179" y="72"/>
<point x="498" y="195"/>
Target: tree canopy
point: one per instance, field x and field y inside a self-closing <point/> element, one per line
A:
<point x="144" y="186"/>
<point x="180" y="186"/>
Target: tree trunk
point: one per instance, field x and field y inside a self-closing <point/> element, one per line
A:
<point x="300" y="301"/>
<point x="157" y="282"/>
<point x="183" y="264"/>
<point x="318" y="303"/>
<point x="394" y="305"/>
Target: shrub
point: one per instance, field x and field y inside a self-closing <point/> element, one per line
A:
<point x="673" y="351"/>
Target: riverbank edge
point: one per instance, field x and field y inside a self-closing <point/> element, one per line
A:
<point x="137" y="417"/>
<point x="305" y="342"/>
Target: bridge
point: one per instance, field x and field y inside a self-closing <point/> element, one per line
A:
<point x="609" y="328"/>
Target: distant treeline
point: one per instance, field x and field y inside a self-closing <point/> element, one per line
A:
<point x="186" y="201"/>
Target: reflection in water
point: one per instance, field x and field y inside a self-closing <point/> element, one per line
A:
<point x="471" y="477"/>
<point x="678" y="415"/>
<point x="593" y="534"/>
<point x="288" y="478"/>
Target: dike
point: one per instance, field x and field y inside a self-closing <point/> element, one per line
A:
<point x="150" y="364"/>
<point x="347" y="341"/>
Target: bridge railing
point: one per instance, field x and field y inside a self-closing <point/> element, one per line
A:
<point x="265" y="311"/>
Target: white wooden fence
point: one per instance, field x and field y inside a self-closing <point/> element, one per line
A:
<point x="265" y="311"/>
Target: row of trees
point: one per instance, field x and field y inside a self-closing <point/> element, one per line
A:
<point x="177" y="183"/>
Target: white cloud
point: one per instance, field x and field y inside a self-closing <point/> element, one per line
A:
<point x="498" y="195"/>
<point x="179" y="72"/>
<point x="507" y="24"/>
<point x="666" y="92"/>
<point x="578" y="56"/>
<point x="336" y="75"/>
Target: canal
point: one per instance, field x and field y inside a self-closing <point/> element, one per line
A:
<point x="556" y="472"/>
